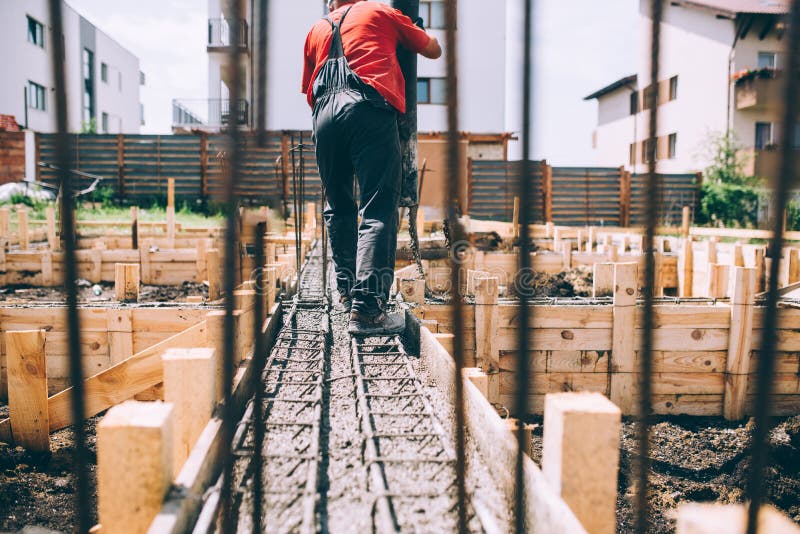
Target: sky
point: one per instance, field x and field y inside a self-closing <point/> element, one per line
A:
<point x="579" y="46"/>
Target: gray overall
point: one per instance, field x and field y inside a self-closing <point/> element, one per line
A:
<point x="355" y="131"/>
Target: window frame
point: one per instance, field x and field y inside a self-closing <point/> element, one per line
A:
<point x="104" y="122"/>
<point x="770" y="141"/>
<point x="634" y="103"/>
<point x="37" y="96"/>
<point x="425" y="12"/>
<point x="774" y="61"/>
<point x="673" y="88"/>
<point x="672" y="145"/>
<point x="38" y="34"/>
<point x="104" y="72"/>
<point x="430" y="100"/>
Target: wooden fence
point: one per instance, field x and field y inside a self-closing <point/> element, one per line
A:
<point x="136" y="167"/>
<point x="577" y="196"/>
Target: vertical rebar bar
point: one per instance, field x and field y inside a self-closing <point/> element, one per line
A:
<point x="453" y="197"/>
<point x="64" y="163"/>
<point x="234" y="9"/>
<point x="646" y="354"/>
<point x="525" y="312"/>
<point x="259" y="360"/>
<point x="262" y="65"/>
<point x="766" y="359"/>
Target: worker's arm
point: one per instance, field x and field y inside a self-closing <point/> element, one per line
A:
<point x="433" y="50"/>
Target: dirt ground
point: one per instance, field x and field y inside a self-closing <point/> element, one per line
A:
<point x="573" y="283"/>
<point x="88" y="293"/>
<point x="703" y="459"/>
<point x="39" y="489"/>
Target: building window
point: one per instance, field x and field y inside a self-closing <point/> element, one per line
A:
<point x="141" y="114"/>
<point x="432" y="13"/>
<point x="764" y="135"/>
<point x="103" y="72"/>
<point x="141" y="78"/>
<point x="634" y="102"/>
<point x="767" y="60"/>
<point x="88" y="86"/>
<point x="35" y="32"/>
<point x="632" y="154"/>
<point x="647" y="144"/>
<point x="119" y="77"/>
<point x="673" y="88"/>
<point x="648" y="97"/>
<point x="673" y="144"/>
<point x="36" y="96"/>
<point x="104" y="122"/>
<point x="431" y="91"/>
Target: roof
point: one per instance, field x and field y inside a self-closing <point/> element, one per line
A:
<point x="736" y="7"/>
<point x="627" y="81"/>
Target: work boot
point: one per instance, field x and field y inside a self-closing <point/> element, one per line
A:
<point x="381" y="324"/>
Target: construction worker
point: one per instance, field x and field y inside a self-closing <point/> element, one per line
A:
<point x="356" y="90"/>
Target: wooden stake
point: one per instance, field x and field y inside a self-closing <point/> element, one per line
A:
<point x="479" y="378"/>
<point x="47" y="269"/>
<point x="126" y="282"/>
<point x="717" y="280"/>
<point x="486" y="348"/>
<point x="50" y="219"/>
<point x="794" y="266"/>
<point x="190" y="385"/>
<point x="686" y="268"/>
<point x="580" y="456"/>
<point x="761" y="274"/>
<point x="171" y="212"/>
<point x="27" y="389"/>
<point x="119" y="324"/>
<point x="696" y="518"/>
<point x="737" y="367"/>
<point x="202" y="249"/>
<point x="738" y="255"/>
<point x="4" y="218"/>
<point x="144" y="261"/>
<point x="22" y="229"/>
<point x="590" y="239"/>
<point x="566" y="254"/>
<point x="686" y="222"/>
<point x="420" y="222"/>
<point x="603" y="280"/>
<point x="134" y="464"/>
<point x="213" y="270"/>
<point x="623" y="350"/>
<point x="134" y="227"/>
<point x="658" y="259"/>
<point x="270" y="279"/>
<point x="515" y="219"/>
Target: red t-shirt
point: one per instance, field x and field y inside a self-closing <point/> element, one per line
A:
<point x="370" y="35"/>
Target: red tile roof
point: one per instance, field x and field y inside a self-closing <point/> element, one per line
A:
<point x="8" y="123"/>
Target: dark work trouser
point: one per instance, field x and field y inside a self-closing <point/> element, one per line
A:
<point x="360" y="138"/>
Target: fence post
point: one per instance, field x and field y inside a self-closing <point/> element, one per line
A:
<point x="121" y="167"/>
<point x="686" y="268"/>
<point x="204" y="165"/>
<point x="547" y="191"/>
<point x="737" y="367"/>
<point x="623" y="348"/>
<point x="27" y="389"/>
<point x="624" y="197"/>
<point x="171" y="213"/>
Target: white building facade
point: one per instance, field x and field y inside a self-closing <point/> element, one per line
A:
<point x="103" y="78"/>
<point x="482" y="78"/>
<point x="706" y="45"/>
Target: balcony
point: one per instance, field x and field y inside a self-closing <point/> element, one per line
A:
<point x="758" y="94"/>
<point x="209" y="114"/>
<point x="765" y="163"/>
<point x="220" y="34"/>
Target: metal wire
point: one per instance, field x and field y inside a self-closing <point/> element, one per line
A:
<point x="229" y="275"/>
<point x="766" y="359"/>
<point x="64" y="161"/>
<point x="646" y="353"/>
<point x="453" y="195"/>
<point x="525" y="311"/>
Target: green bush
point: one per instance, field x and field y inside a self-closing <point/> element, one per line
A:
<point x="731" y="205"/>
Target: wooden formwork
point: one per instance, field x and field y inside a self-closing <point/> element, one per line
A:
<point x="705" y="354"/>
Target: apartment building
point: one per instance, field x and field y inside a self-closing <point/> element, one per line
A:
<point x="103" y="78"/>
<point x="482" y="78"/>
<point x="721" y="63"/>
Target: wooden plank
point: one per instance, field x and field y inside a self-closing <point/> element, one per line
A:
<point x="698" y="405"/>
<point x="486" y="333"/>
<point x="696" y="518"/>
<point x="126" y="282"/>
<point x="120" y="335"/>
<point x="689" y="362"/>
<point x="27" y="389"/>
<point x="622" y="383"/>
